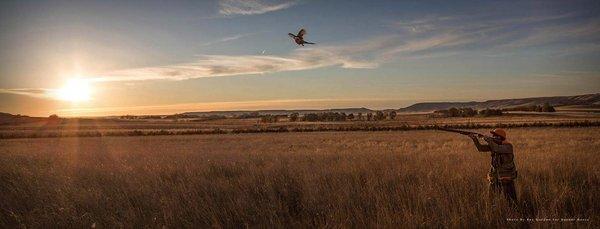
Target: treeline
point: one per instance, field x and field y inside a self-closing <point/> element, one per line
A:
<point x="533" y="108"/>
<point x="466" y="112"/>
<point x="8" y="135"/>
<point x="341" y="116"/>
<point x="173" y="116"/>
<point x="270" y="118"/>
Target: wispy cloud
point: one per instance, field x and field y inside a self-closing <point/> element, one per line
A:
<point x="502" y="34"/>
<point x="569" y="74"/>
<point x="228" y="65"/>
<point x="471" y="23"/>
<point x="560" y="32"/>
<point x="33" y="92"/>
<point x="227" y="39"/>
<point x="250" y="7"/>
<point x="429" y="43"/>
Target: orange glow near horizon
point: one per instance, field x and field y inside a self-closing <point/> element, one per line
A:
<point x="230" y="106"/>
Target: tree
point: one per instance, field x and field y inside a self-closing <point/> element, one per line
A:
<point x="312" y="117"/>
<point x="441" y="113"/>
<point x="538" y="109"/>
<point x="454" y="112"/>
<point x="547" y="108"/>
<point x="343" y="116"/>
<point x="360" y="116"/>
<point x="467" y="112"/>
<point x="269" y="118"/>
<point x="350" y="116"/>
<point x="490" y="112"/>
<point x="379" y="115"/>
<point x="369" y="116"/>
<point x="294" y="117"/>
<point x="392" y="115"/>
<point x="53" y="119"/>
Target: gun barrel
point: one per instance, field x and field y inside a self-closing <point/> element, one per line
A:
<point x="459" y="131"/>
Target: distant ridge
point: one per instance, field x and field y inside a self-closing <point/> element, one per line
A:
<point x="6" y="118"/>
<point x="589" y="100"/>
<point x="279" y="112"/>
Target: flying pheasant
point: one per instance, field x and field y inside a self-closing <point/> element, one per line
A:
<point x="299" y="39"/>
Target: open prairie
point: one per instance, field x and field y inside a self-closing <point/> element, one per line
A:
<point x="322" y="179"/>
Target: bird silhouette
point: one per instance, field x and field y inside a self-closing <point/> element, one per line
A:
<point x="299" y="39"/>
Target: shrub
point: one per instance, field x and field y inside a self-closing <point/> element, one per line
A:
<point x="294" y="117"/>
<point x="269" y="118"/>
<point x="457" y="112"/>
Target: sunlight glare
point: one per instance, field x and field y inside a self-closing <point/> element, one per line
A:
<point x="76" y="90"/>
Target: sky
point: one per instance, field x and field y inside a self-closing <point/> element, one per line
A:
<point x="96" y="58"/>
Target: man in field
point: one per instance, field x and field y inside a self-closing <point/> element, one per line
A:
<point x="503" y="171"/>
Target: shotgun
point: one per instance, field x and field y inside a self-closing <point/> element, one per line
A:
<point x="460" y="131"/>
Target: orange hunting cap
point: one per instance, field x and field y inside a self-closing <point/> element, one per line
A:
<point x="499" y="132"/>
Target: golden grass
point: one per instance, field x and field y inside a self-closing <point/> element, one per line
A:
<point x="330" y="179"/>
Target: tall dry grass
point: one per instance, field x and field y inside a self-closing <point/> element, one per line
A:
<point x="332" y="179"/>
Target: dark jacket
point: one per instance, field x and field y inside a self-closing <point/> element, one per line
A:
<point x="503" y="165"/>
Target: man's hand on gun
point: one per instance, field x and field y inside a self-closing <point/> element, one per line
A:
<point x="476" y="136"/>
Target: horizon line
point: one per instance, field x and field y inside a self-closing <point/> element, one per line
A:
<point x="261" y="105"/>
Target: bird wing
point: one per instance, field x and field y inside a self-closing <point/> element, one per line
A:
<point x="291" y="35"/>
<point x="302" y="32"/>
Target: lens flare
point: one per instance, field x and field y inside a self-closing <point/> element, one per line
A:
<point x="75" y="90"/>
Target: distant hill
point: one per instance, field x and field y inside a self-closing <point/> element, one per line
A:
<point x="278" y="112"/>
<point x="6" y="118"/>
<point x="591" y="100"/>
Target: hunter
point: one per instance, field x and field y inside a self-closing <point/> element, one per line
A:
<point x="503" y="171"/>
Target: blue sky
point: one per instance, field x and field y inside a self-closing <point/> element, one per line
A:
<point x="154" y="57"/>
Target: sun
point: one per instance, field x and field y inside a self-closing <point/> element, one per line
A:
<point x="75" y="90"/>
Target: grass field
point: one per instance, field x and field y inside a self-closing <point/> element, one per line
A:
<point x="323" y="179"/>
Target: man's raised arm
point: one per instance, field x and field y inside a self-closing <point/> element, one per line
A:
<point x="480" y="147"/>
